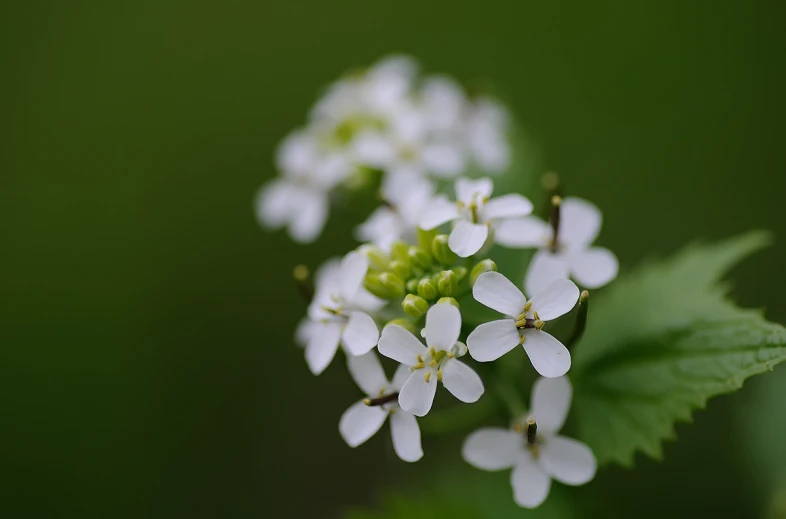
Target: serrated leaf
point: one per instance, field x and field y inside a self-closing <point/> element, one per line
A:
<point x="660" y="343"/>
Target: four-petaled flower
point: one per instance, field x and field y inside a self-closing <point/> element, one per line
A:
<point x="489" y="341"/>
<point x="436" y="363"/>
<point x="340" y="313"/>
<point x="533" y="449"/>
<point x="364" y="418"/>
<point x="473" y="214"/>
<point x="565" y="251"/>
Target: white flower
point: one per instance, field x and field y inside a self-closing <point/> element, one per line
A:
<point x="486" y="130"/>
<point x="340" y="313"/>
<point x="406" y="197"/>
<point x="361" y="421"/>
<point x="438" y="362"/>
<point x="299" y="199"/>
<point x="524" y="326"/>
<point x="572" y="255"/>
<point x="473" y="213"/>
<point x="535" y="456"/>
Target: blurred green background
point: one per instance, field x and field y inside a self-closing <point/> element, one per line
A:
<point x="147" y="366"/>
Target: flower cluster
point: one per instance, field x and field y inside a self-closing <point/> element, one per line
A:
<point x="413" y="290"/>
<point x="387" y="120"/>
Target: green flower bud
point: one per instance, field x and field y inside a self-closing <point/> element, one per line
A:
<point x="399" y="250"/>
<point x="426" y="237"/>
<point x="404" y="323"/>
<point x="441" y="250"/>
<point x="400" y="269"/>
<point x="447" y="283"/>
<point x="461" y="273"/>
<point x="427" y="289"/>
<point x="385" y="285"/>
<point x="482" y="267"/>
<point x="448" y="300"/>
<point x="377" y="258"/>
<point x="419" y="257"/>
<point x="415" y="306"/>
<point x="412" y="286"/>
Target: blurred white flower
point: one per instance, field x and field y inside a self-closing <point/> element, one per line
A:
<point x="339" y="312"/>
<point x="436" y="363"/>
<point x="533" y="448"/>
<point x="298" y="199"/>
<point x="486" y="132"/>
<point x="406" y="196"/>
<point x="570" y="255"/>
<point x="524" y="324"/>
<point x="364" y="418"/>
<point x="473" y="213"/>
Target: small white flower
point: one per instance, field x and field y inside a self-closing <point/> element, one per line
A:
<point x="361" y="421"/>
<point x="571" y="255"/>
<point x="436" y="363"/>
<point x="299" y="198"/>
<point x="406" y="197"/>
<point x="524" y="326"/>
<point x="473" y="214"/>
<point x="541" y="455"/>
<point x="340" y="313"/>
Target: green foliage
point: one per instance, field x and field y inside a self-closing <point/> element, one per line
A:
<point x="660" y="343"/>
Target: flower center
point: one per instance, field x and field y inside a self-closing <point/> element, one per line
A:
<point x="525" y="321"/>
<point x="434" y="361"/>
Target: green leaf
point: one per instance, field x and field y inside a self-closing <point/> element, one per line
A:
<point x="660" y="343"/>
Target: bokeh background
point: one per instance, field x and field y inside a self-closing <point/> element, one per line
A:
<point x="147" y="366"/>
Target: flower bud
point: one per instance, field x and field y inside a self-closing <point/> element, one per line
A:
<point x="415" y="306"/>
<point x="419" y="258"/>
<point x="399" y="250"/>
<point x="412" y="286"/>
<point x="447" y="283"/>
<point x="377" y="258"/>
<point x="461" y="273"/>
<point x="401" y="269"/>
<point x="426" y="237"/>
<point x="441" y="250"/>
<point x="427" y="289"/>
<point x="385" y="285"/>
<point x="481" y="268"/>
<point x="448" y="300"/>
<point x="404" y="323"/>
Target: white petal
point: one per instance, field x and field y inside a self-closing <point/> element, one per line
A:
<point x="523" y="233"/>
<point x="273" y="207"/>
<point x="467" y="190"/>
<point x="462" y="381"/>
<point x="305" y="329"/>
<point x="360" y="333"/>
<point x="549" y="357"/>
<point x="440" y="211"/>
<point x="367" y="373"/>
<point x="353" y="269"/>
<point x="506" y="206"/>
<point x="326" y="278"/>
<point x="442" y="159"/>
<point x="497" y="292"/>
<point x="530" y="483"/>
<point x="399" y="189"/>
<point x="550" y="403"/>
<point x="556" y="299"/>
<point x="373" y="149"/>
<point x="382" y="227"/>
<point x="417" y="395"/>
<point x="322" y="347"/>
<point x="308" y="221"/>
<point x="360" y="422"/>
<point x="398" y="344"/>
<point x="443" y="326"/>
<point x="594" y="267"/>
<point x="492" y="448"/>
<point x="406" y="436"/>
<point x="568" y="461"/>
<point x="296" y="153"/>
<point x="400" y="376"/>
<point x="544" y="268"/>
<point x="580" y="222"/>
<point x="490" y="341"/>
<point x="467" y="238"/>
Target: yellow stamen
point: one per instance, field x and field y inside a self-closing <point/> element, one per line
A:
<point x="427" y="376"/>
<point x="439" y="375"/>
<point x="367" y="401"/>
